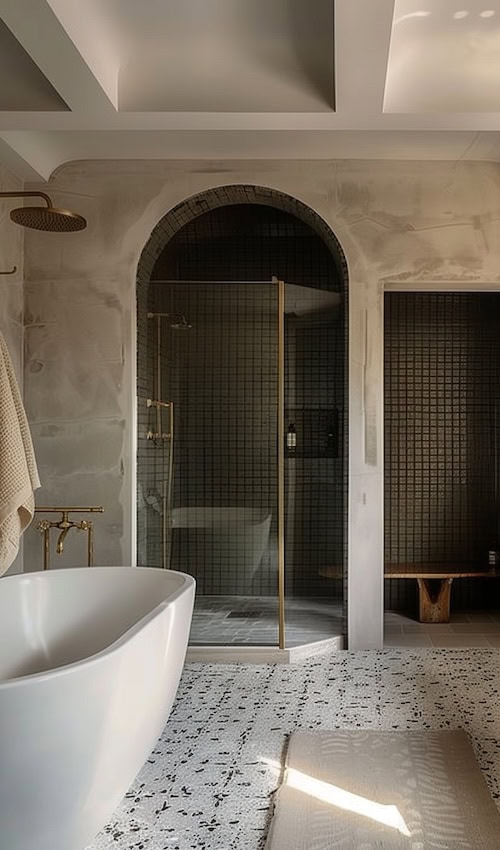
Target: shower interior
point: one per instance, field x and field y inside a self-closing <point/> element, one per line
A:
<point x="209" y="491"/>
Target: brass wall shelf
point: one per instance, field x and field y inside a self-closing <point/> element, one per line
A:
<point x="304" y="454"/>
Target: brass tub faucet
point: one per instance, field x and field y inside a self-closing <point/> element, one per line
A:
<point x="65" y="525"/>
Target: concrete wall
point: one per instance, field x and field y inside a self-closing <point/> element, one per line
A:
<point x="400" y="224"/>
<point x="11" y="287"/>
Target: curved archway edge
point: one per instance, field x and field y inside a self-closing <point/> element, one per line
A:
<point x="210" y="199"/>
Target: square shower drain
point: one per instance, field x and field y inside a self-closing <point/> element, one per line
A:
<point x="247" y="615"/>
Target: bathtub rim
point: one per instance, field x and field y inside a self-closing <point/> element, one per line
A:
<point x="188" y="584"/>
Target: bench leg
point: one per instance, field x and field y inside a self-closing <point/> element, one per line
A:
<point x="434" y="600"/>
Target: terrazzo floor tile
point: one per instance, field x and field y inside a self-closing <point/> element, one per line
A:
<point x="209" y="782"/>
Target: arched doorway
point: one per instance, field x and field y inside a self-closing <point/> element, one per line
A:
<point x="215" y="338"/>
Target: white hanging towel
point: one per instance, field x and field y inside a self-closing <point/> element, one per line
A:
<point x="18" y="470"/>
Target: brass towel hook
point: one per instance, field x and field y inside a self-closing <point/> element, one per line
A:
<point x="14" y="269"/>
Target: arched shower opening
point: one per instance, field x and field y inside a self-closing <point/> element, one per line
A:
<point x="242" y="415"/>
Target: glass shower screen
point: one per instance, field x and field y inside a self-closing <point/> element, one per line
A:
<point x="247" y="494"/>
<point x="222" y="376"/>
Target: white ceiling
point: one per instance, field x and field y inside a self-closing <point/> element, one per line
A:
<point x="230" y="79"/>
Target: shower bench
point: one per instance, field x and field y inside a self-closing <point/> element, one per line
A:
<point x="434" y="585"/>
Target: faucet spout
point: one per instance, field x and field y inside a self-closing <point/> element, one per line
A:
<point x="62" y="538"/>
<point x="65" y="526"/>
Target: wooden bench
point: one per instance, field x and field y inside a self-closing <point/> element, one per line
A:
<point x="434" y="585"/>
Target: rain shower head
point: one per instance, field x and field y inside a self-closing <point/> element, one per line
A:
<point x="178" y="321"/>
<point x="48" y="218"/>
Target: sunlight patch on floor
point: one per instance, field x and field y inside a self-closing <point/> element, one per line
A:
<point x="389" y="815"/>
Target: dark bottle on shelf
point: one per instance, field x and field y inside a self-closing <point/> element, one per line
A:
<point x="330" y="442"/>
<point x="332" y="436"/>
<point x="291" y="439"/>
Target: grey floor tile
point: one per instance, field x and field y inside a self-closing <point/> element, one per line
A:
<point x="306" y="621"/>
<point x="459" y="617"/>
<point x="459" y="640"/>
<point x="480" y="616"/>
<point x="488" y="628"/>
<point x="427" y="628"/>
<point x="407" y="640"/>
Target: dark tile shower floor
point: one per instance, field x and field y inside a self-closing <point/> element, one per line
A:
<point x="253" y="621"/>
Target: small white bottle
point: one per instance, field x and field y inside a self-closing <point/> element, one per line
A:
<point x="493" y="557"/>
<point x="291" y="439"/>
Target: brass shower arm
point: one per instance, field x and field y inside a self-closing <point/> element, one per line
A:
<point x="28" y="195"/>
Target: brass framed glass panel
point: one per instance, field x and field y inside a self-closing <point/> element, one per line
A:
<point x="219" y="373"/>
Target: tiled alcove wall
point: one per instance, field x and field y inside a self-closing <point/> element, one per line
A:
<point x="442" y="430"/>
<point x="247" y="242"/>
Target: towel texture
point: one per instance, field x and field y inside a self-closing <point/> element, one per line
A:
<point x="18" y="470"/>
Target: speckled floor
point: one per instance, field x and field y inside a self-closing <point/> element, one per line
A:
<point x="207" y="785"/>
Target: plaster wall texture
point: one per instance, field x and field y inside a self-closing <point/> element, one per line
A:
<point x="421" y="225"/>
<point x="11" y="289"/>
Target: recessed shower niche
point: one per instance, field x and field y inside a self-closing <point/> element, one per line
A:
<point x="242" y="431"/>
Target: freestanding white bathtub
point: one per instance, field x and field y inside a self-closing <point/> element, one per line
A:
<point x="90" y="662"/>
<point x="221" y="547"/>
